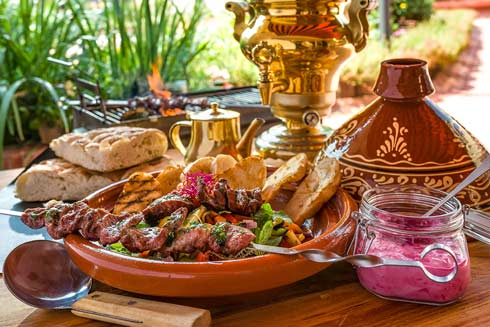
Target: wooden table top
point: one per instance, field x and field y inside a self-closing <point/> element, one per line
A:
<point x="332" y="297"/>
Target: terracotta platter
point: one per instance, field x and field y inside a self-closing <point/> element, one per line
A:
<point x="332" y="228"/>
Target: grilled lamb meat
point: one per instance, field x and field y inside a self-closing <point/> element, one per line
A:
<point x="164" y="206"/>
<point x="243" y="201"/>
<point x="113" y="233"/>
<point x="34" y="217"/>
<point x="176" y="219"/>
<point x="139" y="240"/>
<point x="229" y="239"/>
<point x="214" y="198"/>
<point x="153" y="238"/>
<point x="222" y="197"/>
<point x="63" y="219"/>
<point x="89" y="228"/>
<point x="188" y="240"/>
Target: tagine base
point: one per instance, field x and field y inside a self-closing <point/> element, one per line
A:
<point x="279" y="142"/>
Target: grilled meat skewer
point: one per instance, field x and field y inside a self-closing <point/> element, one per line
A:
<point x="95" y="224"/>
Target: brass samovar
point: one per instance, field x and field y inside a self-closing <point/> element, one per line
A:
<point x="300" y="48"/>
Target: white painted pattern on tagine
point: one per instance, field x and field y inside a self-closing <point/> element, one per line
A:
<point x="355" y="181"/>
<point x="394" y="149"/>
<point x="395" y="145"/>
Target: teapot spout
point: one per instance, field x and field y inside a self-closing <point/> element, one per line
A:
<point x="244" y="146"/>
<point x="240" y="10"/>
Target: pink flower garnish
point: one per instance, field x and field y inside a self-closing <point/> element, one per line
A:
<point x="188" y="187"/>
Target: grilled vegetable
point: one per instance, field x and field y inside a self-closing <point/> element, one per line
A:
<point x="140" y="190"/>
<point x="195" y="217"/>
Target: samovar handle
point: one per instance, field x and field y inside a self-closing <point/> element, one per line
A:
<point x="240" y="9"/>
<point x="358" y="26"/>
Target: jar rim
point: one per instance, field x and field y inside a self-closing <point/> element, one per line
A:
<point x="448" y="218"/>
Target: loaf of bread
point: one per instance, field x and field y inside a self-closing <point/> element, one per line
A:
<point x="110" y="149"/>
<point x="58" y="179"/>
<point x="61" y="180"/>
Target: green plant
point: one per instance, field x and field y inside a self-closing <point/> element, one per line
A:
<point x="418" y="10"/>
<point x="130" y="36"/>
<point x="9" y="100"/>
<point x="30" y="31"/>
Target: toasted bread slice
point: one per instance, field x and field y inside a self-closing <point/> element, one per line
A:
<point x="222" y="163"/>
<point x="140" y="190"/>
<point x="315" y="190"/>
<point x="248" y="173"/>
<point x="201" y="165"/>
<point x="169" y="178"/>
<point x="292" y="171"/>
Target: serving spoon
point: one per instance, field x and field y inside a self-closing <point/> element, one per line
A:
<point x="41" y="274"/>
<point x="480" y="170"/>
<point x="366" y="260"/>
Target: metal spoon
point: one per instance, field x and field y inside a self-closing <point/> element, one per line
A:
<point x="367" y="260"/>
<point x="480" y="170"/>
<point x="41" y="274"/>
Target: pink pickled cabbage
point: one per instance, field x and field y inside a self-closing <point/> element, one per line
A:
<point x="188" y="187"/>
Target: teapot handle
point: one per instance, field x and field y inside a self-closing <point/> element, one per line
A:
<point x="175" y="135"/>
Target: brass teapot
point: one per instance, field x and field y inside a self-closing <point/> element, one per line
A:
<point x="300" y="48"/>
<point x="215" y="131"/>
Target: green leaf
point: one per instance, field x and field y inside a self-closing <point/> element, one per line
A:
<point x="274" y="241"/>
<point x="4" y="109"/>
<point x="18" y="123"/>
<point x="263" y="215"/>
<point x="119" y="248"/>
<point x="265" y="233"/>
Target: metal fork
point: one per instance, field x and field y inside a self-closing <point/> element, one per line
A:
<point x="366" y="260"/>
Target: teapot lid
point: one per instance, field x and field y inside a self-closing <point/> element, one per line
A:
<point x="214" y="114"/>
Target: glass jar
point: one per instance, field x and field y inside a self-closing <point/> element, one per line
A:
<point x="392" y="225"/>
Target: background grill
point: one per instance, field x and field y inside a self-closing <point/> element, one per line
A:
<point x="245" y="100"/>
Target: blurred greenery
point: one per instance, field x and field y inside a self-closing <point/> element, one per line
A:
<point x="428" y="40"/>
<point x="418" y="10"/>
<point x="30" y="31"/>
<point x="402" y="12"/>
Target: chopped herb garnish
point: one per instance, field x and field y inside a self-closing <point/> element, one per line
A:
<point x="219" y="233"/>
<point x="33" y="215"/>
<point x="170" y="239"/>
<point x="142" y="224"/>
<point x="119" y="248"/>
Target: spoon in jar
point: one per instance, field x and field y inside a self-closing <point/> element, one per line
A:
<point x="41" y="274"/>
<point x="480" y="170"/>
<point x="367" y="260"/>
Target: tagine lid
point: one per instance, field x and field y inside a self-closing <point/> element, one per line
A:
<point x="403" y="130"/>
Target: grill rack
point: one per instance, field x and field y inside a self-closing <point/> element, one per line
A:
<point x="245" y="100"/>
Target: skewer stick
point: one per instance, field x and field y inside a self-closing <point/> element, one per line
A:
<point x="10" y="213"/>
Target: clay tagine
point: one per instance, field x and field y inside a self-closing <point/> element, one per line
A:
<point x="404" y="138"/>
